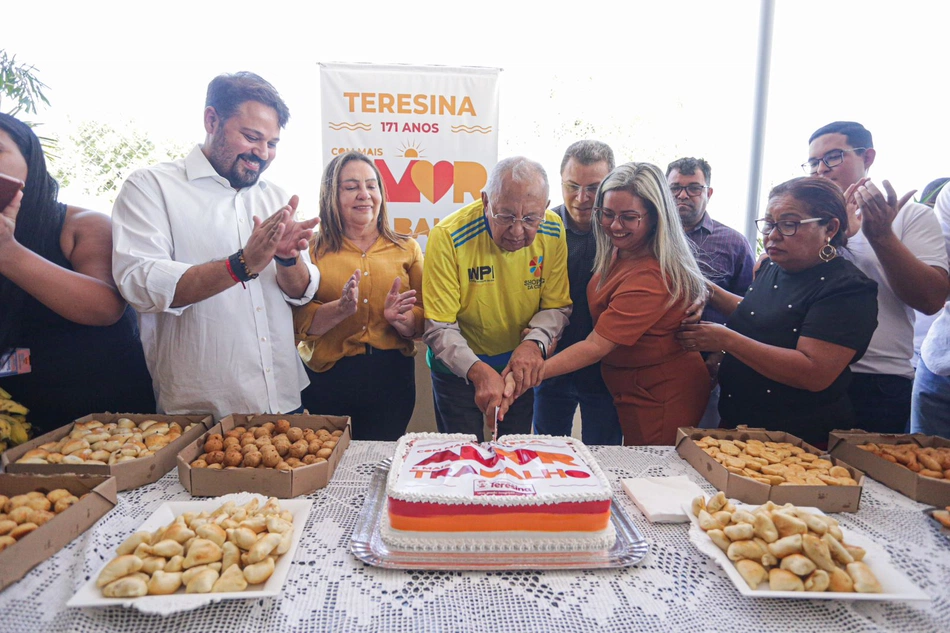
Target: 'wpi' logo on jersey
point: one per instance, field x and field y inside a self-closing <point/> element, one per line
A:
<point x="481" y="274"/>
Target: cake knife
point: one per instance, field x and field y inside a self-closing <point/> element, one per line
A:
<point x="494" y="432"/>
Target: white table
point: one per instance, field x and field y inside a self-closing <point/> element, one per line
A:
<point x="675" y="588"/>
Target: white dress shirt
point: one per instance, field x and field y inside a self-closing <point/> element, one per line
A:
<point x="234" y="352"/>
<point x="935" y="349"/>
<point x="892" y="345"/>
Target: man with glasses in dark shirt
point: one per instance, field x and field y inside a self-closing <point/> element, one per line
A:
<point x="899" y="245"/>
<point x="585" y="164"/>
<point x="723" y="254"/>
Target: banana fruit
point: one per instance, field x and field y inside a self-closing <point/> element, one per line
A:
<point x="14" y="429"/>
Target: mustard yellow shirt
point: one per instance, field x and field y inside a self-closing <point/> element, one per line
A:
<point x="380" y="265"/>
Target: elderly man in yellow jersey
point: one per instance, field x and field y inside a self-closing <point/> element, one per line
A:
<point x="494" y="269"/>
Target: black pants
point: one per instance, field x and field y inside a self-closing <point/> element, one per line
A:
<point x="881" y="402"/>
<point x="377" y="391"/>
<point x="456" y="411"/>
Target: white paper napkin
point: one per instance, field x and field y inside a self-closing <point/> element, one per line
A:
<point x="661" y="499"/>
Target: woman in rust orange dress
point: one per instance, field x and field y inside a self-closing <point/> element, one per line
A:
<point x="645" y="276"/>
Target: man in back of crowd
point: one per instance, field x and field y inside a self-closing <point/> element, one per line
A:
<point x="723" y="254"/>
<point x="899" y="245"/>
<point x="584" y="166"/>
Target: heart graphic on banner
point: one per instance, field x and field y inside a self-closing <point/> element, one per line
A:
<point x="433" y="181"/>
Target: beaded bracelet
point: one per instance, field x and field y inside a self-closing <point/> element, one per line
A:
<point x="237" y="268"/>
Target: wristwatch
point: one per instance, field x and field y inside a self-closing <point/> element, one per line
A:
<point x="286" y="261"/>
<point x="544" y="352"/>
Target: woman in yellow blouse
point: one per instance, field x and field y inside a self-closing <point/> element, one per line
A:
<point x="356" y="336"/>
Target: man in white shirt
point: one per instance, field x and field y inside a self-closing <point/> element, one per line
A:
<point x="896" y="243"/>
<point x="209" y="256"/>
<point x="931" y="401"/>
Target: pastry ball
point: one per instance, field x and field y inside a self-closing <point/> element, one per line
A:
<point x="214" y="443"/>
<point x="233" y="458"/>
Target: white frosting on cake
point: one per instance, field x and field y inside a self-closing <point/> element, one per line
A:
<point x="430" y="468"/>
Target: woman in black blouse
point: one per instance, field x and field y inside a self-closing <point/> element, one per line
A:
<point x="807" y="316"/>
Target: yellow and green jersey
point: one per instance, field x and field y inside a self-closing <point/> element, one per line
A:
<point x="491" y="293"/>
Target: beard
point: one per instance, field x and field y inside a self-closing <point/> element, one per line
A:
<point x="240" y="176"/>
<point x="237" y="174"/>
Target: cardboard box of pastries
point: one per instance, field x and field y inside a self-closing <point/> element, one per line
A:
<point x="129" y="474"/>
<point x="95" y="497"/>
<point x="845" y="444"/>
<point x="284" y="484"/>
<point x="826" y="494"/>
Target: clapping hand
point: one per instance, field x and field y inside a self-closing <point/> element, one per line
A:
<point x="349" y="300"/>
<point x="397" y="309"/>
<point x="878" y="212"/>
<point x="853" y="208"/>
<point x="278" y="235"/>
<point x="296" y="235"/>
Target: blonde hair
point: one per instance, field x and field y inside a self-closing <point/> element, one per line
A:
<point x="668" y="242"/>
<point x="329" y="239"/>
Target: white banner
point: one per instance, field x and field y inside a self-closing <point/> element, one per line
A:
<point x="432" y="131"/>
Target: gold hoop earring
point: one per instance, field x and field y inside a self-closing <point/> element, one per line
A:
<point x="827" y="252"/>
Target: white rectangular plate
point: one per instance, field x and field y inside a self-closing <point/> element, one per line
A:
<point x="91" y="596"/>
<point x="895" y="584"/>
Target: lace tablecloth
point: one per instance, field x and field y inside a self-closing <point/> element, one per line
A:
<point x="675" y="588"/>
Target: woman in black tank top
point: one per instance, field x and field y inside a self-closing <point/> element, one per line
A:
<point x="58" y="300"/>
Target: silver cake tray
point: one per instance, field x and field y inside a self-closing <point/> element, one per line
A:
<point x="367" y="544"/>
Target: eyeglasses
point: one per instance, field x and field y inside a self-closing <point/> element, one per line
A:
<point x="693" y="189"/>
<point x="529" y="221"/>
<point x="627" y="220"/>
<point x="832" y="159"/>
<point x="787" y="228"/>
<point x="574" y="189"/>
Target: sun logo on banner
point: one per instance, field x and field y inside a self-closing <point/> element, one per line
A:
<point x="535" y="265"/>
<point x="411" y="150"/>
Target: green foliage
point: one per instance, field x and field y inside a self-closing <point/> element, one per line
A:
<point x="100" y="157"/>
<point x="19" y="83"/>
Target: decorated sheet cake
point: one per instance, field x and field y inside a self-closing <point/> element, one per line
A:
<point x="522" y="492"/>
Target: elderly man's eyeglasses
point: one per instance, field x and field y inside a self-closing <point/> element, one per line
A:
<point x="574" y="189"/>
<point x="628" y="220"/>
<point x="693" y="189"/>
<point x="787" y="228"/>
<point x="832" y="159"/>
<point x="529" y="221"/>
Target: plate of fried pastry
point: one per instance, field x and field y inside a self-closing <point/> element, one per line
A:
<point x="773" y="551"/>
<point x="191" y="553"/>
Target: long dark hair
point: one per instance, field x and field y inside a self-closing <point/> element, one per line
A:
<point x="38" y="225"/>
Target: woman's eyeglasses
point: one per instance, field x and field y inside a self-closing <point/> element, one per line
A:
<point x="787" y="228"/>
<point x="628" y="220"/>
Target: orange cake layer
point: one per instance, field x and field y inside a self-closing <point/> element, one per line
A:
<point x="507" y="522"/>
